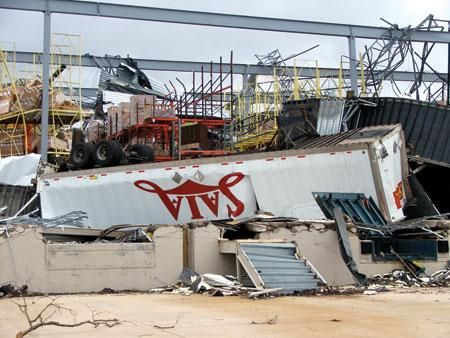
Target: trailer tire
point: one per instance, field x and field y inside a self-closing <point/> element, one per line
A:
<point x="108" y="153"/>
<point x="118" y="152"/>
<point x="144" y="154"/>
<point x="82" y="156"/>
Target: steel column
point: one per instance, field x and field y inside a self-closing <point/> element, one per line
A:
<point x="448" y="69"/>
<point x="45" y="85"/>
<point x="353" y="70"/>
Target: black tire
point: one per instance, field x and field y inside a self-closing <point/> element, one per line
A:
<point x="108" y="153"/>
<point x="81" y="156"/>
<point x="140" y="153"/>
<point x="118" y="152"/>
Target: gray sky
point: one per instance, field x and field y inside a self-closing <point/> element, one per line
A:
<point x="182" y="42"/>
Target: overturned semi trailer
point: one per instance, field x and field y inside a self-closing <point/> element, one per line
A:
<point x="371" y="161"/>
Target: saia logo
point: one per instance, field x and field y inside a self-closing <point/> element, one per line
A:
<point x="194" y="192"/>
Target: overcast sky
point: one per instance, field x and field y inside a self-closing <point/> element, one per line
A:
<point x="182" y="42"/>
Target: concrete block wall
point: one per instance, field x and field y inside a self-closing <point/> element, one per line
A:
<point x="73" y="267"/>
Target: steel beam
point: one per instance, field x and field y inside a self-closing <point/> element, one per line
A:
<point x="353" y="70"/>
<point x="121" y="11"/>
<point x="45" y="87"/>
<point x="195" y="66"/>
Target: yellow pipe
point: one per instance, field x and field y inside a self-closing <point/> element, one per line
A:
<point x="296" y="85"/>
<point x="363" y="80"/>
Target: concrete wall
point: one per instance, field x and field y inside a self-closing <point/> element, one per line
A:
<point x="316" y="242"/>
<point x="73" y="267"/>
<point x="204" y="253"/>
<point x="320" y="247"/>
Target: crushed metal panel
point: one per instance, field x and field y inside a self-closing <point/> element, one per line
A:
<point x="284" y="187"/>
<point x="357" y="206"/>
<point x="329" y="117"/>
<point x="15" y="197"/>
<point x="426" y="125"/>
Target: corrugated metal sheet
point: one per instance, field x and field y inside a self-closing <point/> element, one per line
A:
<point x="15" y="197"/>
<point x="357" y="206"/>
<point x="329" y="117"/>
<point x="360" y="134"/>
<point x="278" y="266"/>
<point x="426" y="125"/>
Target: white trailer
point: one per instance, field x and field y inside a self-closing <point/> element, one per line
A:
<point x="371" y="161"/>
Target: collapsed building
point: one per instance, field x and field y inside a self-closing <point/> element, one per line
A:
<point x="287" y="184"/>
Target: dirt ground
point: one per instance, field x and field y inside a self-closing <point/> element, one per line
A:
<point x="418" y="313"/>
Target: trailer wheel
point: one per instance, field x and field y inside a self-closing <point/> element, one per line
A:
<point x="108" y="153"/>
<point x="81" y="156"/>
<point x="140" y="153"/>
<point x="118" y="152"/>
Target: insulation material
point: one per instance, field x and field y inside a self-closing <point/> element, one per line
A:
<point x="19" y="170"/>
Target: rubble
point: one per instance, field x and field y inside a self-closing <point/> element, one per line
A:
<point x="405" y="279"/>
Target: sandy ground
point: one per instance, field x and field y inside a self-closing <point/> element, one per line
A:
<point x="421" y="313"/>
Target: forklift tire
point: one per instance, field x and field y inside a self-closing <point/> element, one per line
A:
<point x="141" y="153"/>
<point x="108" y="153"/>
<point x="82" y="156"/>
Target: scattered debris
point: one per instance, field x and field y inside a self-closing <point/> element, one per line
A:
<point x="165" y="327"/>
<point x="401" y="278"/>
<point x="269" y="321"/>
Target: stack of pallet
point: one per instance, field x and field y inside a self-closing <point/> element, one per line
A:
<point x="141" y="108"/>
<point x="112" y="119"/>
<point x="123" y="120"/>
<point x="95" y="131"/>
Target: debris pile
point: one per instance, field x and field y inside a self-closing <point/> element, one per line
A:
<point x="400" y="278"/>
<point x="215" y="285"/>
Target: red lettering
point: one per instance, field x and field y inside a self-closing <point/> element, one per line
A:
<point x="172" y="205"/>
<point x="195" y="211"/>
<point x="211" y="202"/>
<point x="191" y="190"/>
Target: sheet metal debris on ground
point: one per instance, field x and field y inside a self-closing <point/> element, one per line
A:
<point x="217" y="285"/>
